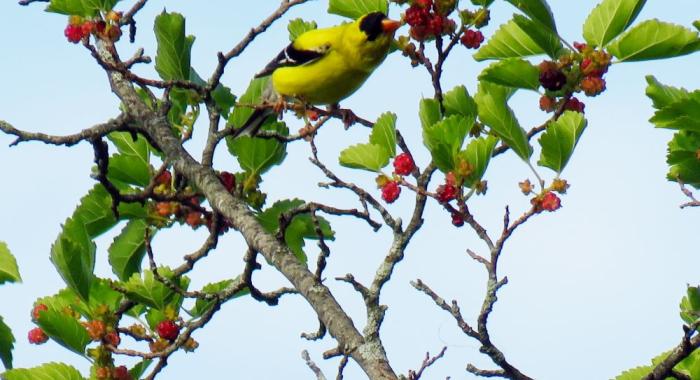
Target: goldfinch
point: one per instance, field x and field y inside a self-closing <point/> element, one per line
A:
<point x="325" y="66"/>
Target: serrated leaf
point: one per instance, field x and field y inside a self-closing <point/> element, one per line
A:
<point x="370" y="157"/>
<point x="494" y="112"/>
<point x="478" y="154"/>
<point x="560" y="139"/>
<point x="662" y="95"/>
<point x="257" y="155"/>
<point x="65" y="300"/>
<point x="512" y="72"/>
<point x="151" y="292"/>
<point x="65" y="329"/>
<point x="73" y="255"/>
<point x="429" y="112"/>
<point x="458" y="102"/>
<point x="682" y="158"/>
<point x="610" y="18"/>
<point x="538" y="10"/>
<point x="444" y="140"/>
<point x="384" y="133"/>
<point x="7" y="341"/>
<point x="634" y="373"/>
<point x="128" y="170"/>
<point x="297" y="27"/>
<point x="139" y="369"/>
<point x="681" y="114"/>
<point x="85" y="8"/>
<point x="101" y="295"/>
<point x="690" y="305"/>
<point x="520" y="37"/>
<point x="48" y="371"/>
<point x="356" y="8"/>
<point x="127" y="250"/>
<point x="174" y="47"/>
<point x="125" y="143"/>
<point x="224" y="99"/>
<point x="95" y="211"/>
<point x="8" y="265"/>
<point x="202" y="306"/>
<point x="654" y="39"/>
<point x="300" y="228"/>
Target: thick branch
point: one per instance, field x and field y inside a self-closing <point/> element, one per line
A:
<point x="340" y="326"/>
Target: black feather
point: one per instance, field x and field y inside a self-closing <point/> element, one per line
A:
<point x="291" y="56"/>
<point x="371" y="24"/>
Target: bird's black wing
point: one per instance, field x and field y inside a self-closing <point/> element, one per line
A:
<point x="292" y="56"/>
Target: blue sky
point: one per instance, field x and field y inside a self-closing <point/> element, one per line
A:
<point x="594" y="288"/>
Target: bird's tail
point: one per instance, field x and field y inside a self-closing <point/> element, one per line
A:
<point x="260" y="115"/>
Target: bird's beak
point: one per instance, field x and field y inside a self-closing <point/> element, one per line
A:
<point x="389" y="26"/>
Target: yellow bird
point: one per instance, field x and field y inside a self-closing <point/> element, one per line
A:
<point x="325" y="66"/>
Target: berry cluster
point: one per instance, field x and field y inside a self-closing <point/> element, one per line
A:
<point x="428" y="18"/>
<point x="167" y="329"/>
<point x="547" y="200"/>
<point x="579" y="71"/>
<point x="472" y="39"/>
<point x="403" y="165"/>
<point x="79" y="28"/>
<point x="189" y="211"/>
<point x="109" y="373"/>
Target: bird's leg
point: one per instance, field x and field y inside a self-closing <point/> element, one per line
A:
<point x="280" y="106"/>
<point x="349" y="118"/>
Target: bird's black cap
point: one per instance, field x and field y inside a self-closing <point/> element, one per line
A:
<point x="371" y="24"/>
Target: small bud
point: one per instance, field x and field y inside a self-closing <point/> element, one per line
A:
<point x="525" y="186"/>
<point x="560" y="185"/>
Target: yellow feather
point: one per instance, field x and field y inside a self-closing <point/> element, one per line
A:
<point x="349" y="60"/>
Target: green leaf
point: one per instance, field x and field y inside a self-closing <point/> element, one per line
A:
<point x="252" y="95"/>
<point x="682" y="158"/>
<point x="610" y="18"/>
<point x="429" y="112"/>
<point x="445" y="139"/>
<point x="662" y="95"/>
<point x="224" y="99"/>
<point x="681" y="114"/>
<point x="356" y="8"/>
<point x="95" y="211"/>
<point x="483" y="3"/>
<point x="538" y="10"/>
<point x="458" y="102"/>
<point x="300" y="228"/>
<point x="151" y="292"/>
<point x="559" y="140"/>
<point x="478" y="155"/>
<point x="65" y="329"/>
<point x="690" y="305"/>
<point x="654" y="39"/>
<point x="384" y="133"/>
<point x="513" y="72"/>
<point x="65" y="300"/>
<point x="48" y="371"/>
<point x="298" y="26"/>
<point x="257" y="155"/>
<point x="202" y="306"/>
<point x="128" y="170"/>
<point x="85" y="8"/>
<point x="494" y="112"/>
<point x="127" y="250"/>
<point x="634" y="373"/>
<point x="520" y="37"/>
<point x="139" y="369"/>
<point x="370" y="157"/>
<point x="73" y="255"/>
<point x="696" y="24"/>
<point x="101" y="295"/>
<point x="7" y="341"/>
<point x="8" y="265"/>
<point x="125" y="143"/>
<point x="174" y="47"/>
